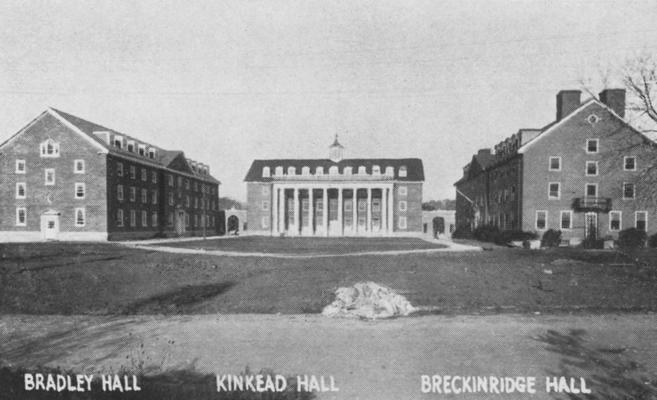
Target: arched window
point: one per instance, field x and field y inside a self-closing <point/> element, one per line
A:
<point x="333" y="170"/>
<point x="376" y="170"/>
<point x="278" y="171"/>
<point x="49" y="148"/>
<point x="291" y="171"/>
<point x="319" y="171"/>
<point x="403" y="171"/>
<point x="266" y="173"/>
<point x="347" y="170"/>
<point x="362" y="170"/>
<point x="305" y="171"/>
<point x="390" y="171"/>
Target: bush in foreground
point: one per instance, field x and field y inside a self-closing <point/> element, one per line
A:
<point x="551" y="238"/>
<point x="631" y="238"/>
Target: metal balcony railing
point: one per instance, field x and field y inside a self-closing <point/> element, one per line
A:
<point x="594" y="204"/>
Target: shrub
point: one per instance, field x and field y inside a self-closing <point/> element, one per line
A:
<point x="551" y="238"/>
<point x="486" y="233"/>
<point x="590" y="243"/>
<point x="652" y="241"/>
<point x="631" y="238"/>
<point x="512" y="236"/>
<point x="462" y="233"/>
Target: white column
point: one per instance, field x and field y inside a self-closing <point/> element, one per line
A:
<point x="325" y="210"/>
<point x="274" y="209"/>
<point x="311" y="212"/>
<point x="391" y="214"/>
<point x="281" y="210"/>
<point x="340" y="224"/>
<point x="296" y="211"/>
<point x="354" y="211"/>
<point x="369" y="210"/>
<point x="384" y="210"/>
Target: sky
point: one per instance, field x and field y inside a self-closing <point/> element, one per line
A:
<point x="228" y="82"/>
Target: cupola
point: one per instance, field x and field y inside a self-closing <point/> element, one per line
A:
<point x="336" y="151"/>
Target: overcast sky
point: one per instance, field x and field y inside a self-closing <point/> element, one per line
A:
<point x="231" y="81"/>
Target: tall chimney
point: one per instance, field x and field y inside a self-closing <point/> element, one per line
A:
<point x="614" y="99"/>
<point x="567" y="102"/>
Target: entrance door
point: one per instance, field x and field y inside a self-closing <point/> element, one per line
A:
<point x="591" y="225"/>
<point x="50" y="226"/>
<point x="180" y="222"/>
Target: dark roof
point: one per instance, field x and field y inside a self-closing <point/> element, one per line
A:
<point x="414" y="167"/>
<point x="163" y="157"/>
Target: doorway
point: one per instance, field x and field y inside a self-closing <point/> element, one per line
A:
<point x="180" y="222"/>
<point x="591" y="225"/>
<point x="50" y="225"/>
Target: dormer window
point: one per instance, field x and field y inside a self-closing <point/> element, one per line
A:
<point x="305" y="171"/>
<point x="131" y="146"/>
<point x="319" y="171"/>
<point x="151" y="153"/>
<point x="403" y="172"/>
<point x="118" y="142"/>
<point x="278" y="171"/>
<point x="333" y="170"/>
<point x="142" y="150"/>
<point x="266" y="172"/>
<point x="376" y="170"/>
<point x="390" y="171"/>
<point x="49" y="148"/>
<point x="362" y="170"/>
<point x="347" y="170"/>
<point x="291" y="171"/>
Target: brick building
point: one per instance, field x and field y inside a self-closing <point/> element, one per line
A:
<point x="364" y="196"/>
<point x="583" y="174"/>
<point x="65" y="178"/>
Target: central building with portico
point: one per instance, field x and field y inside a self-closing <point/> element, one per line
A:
<point x="335" y="196"/>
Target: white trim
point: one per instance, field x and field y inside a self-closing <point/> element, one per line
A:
<point x="63" y="120"/>
<point x="586" y="191"/>
<point x="402" y="223"/>
<point x="24" y="185"/>
<point x="620" y="220"/>
<point x="84" y="191"/>
<point x="558" y="197"/>
<point x="536" y="220"/>
<point x="54" y="177"/>
<point x="403" y="191"/>
<point x="625" y="160"/>
<point x="265" y="205"/>
<point x="586" y="168"/>
<point x="633" y="191"/>
<point x="18" y="210"/>
<point x="19" y="162"/>
<point x="597" y="146"/>
<point x="75" y="217"/>
<point x="550" y="163"/>
<point x="75" y="166"/>
<point x="119" y="221"/>
<point x="403" y="205"/>
<point x="570" y="220"/>
<point x="636" y="215"/>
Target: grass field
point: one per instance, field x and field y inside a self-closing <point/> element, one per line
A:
<point x="305" y="245"/>
<point x="64" y="278"/>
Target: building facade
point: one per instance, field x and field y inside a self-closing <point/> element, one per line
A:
<point x="65" y="178"/>
<point x="335" y="196"/>
<point x="587" y="174"/>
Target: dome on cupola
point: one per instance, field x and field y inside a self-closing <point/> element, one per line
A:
<point x="336" y="151"/>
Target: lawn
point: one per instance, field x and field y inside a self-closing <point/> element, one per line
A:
<point x="306" y="245"/>
<point x="64" y="278"/>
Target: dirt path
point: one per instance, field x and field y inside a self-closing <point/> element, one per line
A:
<point x="369" y="360"/>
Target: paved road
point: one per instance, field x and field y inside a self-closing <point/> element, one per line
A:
<point x="616" y="354"/>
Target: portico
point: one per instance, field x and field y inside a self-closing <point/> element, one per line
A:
<point x="332" y="208"/>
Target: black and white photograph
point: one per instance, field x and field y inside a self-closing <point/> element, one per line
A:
<point x="278" y="200"/>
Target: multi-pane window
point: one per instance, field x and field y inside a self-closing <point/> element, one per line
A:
<point x="264" y="222"/>
<point x="541" y="220"/>
<point x="154" y="176"/>
<point x="629" y="163"/>
<point x="187" y="201"/>
<point x="170" y="198"/>
<point x="131" y="146"/>
<point x="591" y="168"/>
<point x="133" y="193"/>
<point x="20" y="166"/>
<point x="403" y="191"/>
<point x="266" y="172"/>
<point x="592" y="145"/>
<point x="265" y="205"/>
<point x="144" y="196"/>
<point x="119" y="217"/>
<point x="78" y="166"/>
<point x="641" y="220"/>
<point x="566" y="219"/>
<point x="402" y="223"/>
<point x="133" y="172"/>
<point x="187" y="184"/>
<point x="154" y="219"/>
<point x="615" y="220"/>
<point x="403" y="171"/>
<point x="154" y="196"/>
<point x="49" y="148"/>
<point x="403" y="205"/>
<point x="133" y="218"/>
<point x="555" y="163"/>
<point x="144" y="174"/>
<point x="195" y="202"/>
<point x="79" y="217"/>
<point x="119" y="192"/>
<point x="142" y="150"/>
<point x="591" y="190"/>
<point x="144" y="218"/>
<point x="20" y="190"/>
<point x="628" y="191"/>
<point x="554" y="190"/>
<point x="170" y="220"/>
<point x="170" y="179"/>
<point x="79" y="190"/>
<point x="50" y="176"/>
<point x="21" y="216"/>
<point x="119" y="169"/>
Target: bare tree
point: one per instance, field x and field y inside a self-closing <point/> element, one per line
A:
<point x="640" y="78"/>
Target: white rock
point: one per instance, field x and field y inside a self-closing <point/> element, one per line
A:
<point x="368" y="300"/>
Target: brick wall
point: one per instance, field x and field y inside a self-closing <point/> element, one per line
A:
<point x="413" y="212"/>
<point x="255" y="195"/>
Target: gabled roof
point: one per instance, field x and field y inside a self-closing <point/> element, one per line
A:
<point x="414" y="167"/>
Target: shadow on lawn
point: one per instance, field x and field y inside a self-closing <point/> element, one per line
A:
<point x="176" y="301"/>
<point x="170" y="385"/>
<point x="610" y="372"/>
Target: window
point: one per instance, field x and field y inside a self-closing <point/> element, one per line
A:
<point x="592" y="146"/>
<point x="20" y="166"/>
<point x="390" y="171"/>
<point x="265" y="190"/>
<point x="319" y="171"/>
<point x="641" y="220"/>
<point x="187" y="201"/>
<point x="376" y="170"/>
<point x="133" y="172"/>
<point x="265" y="205"/>
<point x="615" y="220"/>
<point x="119" y="192"/>
<point x="591" y="168"/>
<point x="118" y="141"/>
<point x="119" y="217"/>
<point x="170" y="220"/>
<point x="151" y="153"/>
<point x="144" y="218"/>
<point x="49" y="148"/>
<point x="348" y="170"/>
<point x="305" y="171"/>
<point x="291" y="171"/>
<point x="362" y="170"/>
<point x="264" y="222"/>
<point x="131" y="146"/>
<point x="154" y="196"/>
<point x="333" y="170"/>
<point x="195" y="202"/>
<point x="566" y="219"/>
<point x="154" y="176"/>
<point x="133" y="218"/>
<point x="170" y="178"/>
<point x="593" y="119"/>
<point x="144" y="196"/>
<point x="403" y="190"/>
<point x="119" y="169"/>
<point x="402" y="223"/>
<point x="142" y="150"/>
<point x="403" y="171"/>
<point x="591" y="190"/>
<point x="133" y="193"/>
<point x="555" y="164"/>
<point x="554" y="190"/>
<point x="278" y="171"/>
<point x="78" y="166"/>
<point x="20" y="190"/>
<point x="170" y="199"/>
<point x="628" y="191"/>
<point x="154" y="219"/>
<point x="50" y="176"/>
<point x="79" y="190"/>
<point x="144" y="174"/>
<point x="79" y="217"/>
<point x="629" y="163"/>
<point x="403" y="205"/>
<point x="541" y="220"/>
<point x="21" y="216"/>
<point x="187" y="184"/>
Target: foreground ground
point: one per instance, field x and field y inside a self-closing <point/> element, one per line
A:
<point x="61" y="278"/>
<point x="615" y="354"/>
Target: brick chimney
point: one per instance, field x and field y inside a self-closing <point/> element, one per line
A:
<point x="567" y="102"/>
<point x="614" y="99"/>
<point x="484" y="152"/>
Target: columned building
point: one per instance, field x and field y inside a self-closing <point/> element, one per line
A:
<point x="335" y="196"/>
